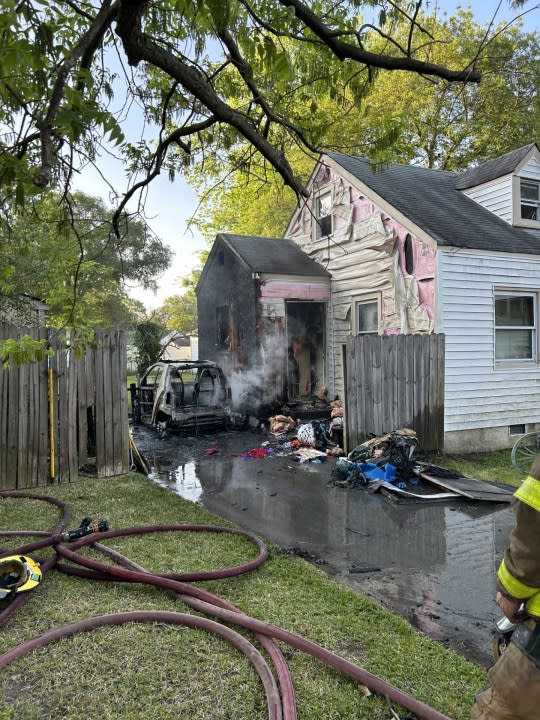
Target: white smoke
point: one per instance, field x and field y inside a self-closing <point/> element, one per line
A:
<point x="260" y="385"/>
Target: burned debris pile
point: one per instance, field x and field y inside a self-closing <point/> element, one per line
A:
<point x="302" y="440"/>
<point x="391" y="464"/>
<point x="386" y="458"/>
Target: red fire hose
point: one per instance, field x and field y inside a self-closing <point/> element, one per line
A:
<point x="281" y="702"/>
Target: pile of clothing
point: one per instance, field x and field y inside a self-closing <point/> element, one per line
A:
<point x="336" y="421"/>
<point x="304" y="441"/>
<point x="387" y="457"/>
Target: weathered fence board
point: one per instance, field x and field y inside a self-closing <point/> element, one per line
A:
<point x="395" y="381"/>
<point x="112" y="439"/>
<point x="82" y="417"/>
<point x="3" y="419"/>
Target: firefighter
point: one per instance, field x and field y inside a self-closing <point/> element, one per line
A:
<point x="514" y="680"/>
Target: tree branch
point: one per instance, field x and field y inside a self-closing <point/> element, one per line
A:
<point x="45" y="125"/>
<point x="159" y="158"/>
<point x="245" y="72"/>
<point x="343" y="50"/>
<point x="139" y="47"/>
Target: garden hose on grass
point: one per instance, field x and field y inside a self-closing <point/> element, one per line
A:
<point x="279" y="694"/>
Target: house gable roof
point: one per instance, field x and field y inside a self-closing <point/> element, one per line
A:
<point x="493" y="169"/>
<point x="429" y="199"/>
<point x="278" y="256"/>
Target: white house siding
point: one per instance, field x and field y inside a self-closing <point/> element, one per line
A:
<point x="531" y="169"/>
<point x="482" y="400"/>
<point x="495" y="196"/>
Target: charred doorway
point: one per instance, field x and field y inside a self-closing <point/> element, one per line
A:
<point x="306" y="342"/>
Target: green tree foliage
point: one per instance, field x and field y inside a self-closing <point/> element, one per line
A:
<point x="148" y="333"/>
<point x="250" y="85"/>
<point x="203" y="73"/>
<point x="179" y="312"/>
<point x="403" y="118"/>
<point x="442" y="126"/>
<point x="67" y="254"/>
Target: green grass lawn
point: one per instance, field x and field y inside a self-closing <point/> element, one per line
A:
<point x="492" y="466"/>
<point x="163" y="671"/>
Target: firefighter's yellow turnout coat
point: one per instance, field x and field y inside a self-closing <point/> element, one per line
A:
<point x="514" y="691"/>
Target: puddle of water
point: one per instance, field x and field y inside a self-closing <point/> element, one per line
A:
<point x="434" y="564"/>
<point x="183" y="480"/>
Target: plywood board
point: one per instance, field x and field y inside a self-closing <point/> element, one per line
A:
<point x="471" y="488"/>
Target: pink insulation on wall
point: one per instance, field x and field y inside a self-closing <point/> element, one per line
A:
<point x="423" y="255"/>
<point x="301" y="291"/>
<point x="369" y="252"/>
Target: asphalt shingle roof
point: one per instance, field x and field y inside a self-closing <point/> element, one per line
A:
<point x="430" y="199"/>
<point x="272" y="255"/>
<point x="492" y="169"/>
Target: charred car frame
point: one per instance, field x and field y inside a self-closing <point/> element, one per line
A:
<point x="183" y="396"/>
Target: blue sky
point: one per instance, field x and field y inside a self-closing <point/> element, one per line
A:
<point x="484" y="10"/>
<point x="169" y="206"/>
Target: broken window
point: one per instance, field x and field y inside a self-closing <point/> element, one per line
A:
<point x="323" y="215"/>
<point x="223" y="326"/>
<point x="530" y="199"/>
<point x="367" y="316"/>
<point x="515" y="325"/>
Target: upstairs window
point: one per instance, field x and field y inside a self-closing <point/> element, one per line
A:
<point x="367" y="316"/>
<point x="323" y="215"/>
<point x="515" y="326"/>
<point x="529" y="199"/>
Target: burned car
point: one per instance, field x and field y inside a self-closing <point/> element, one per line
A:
<point x="183" y="396"/>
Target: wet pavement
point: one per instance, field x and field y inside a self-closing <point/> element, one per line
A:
<point x="432" y="563"/>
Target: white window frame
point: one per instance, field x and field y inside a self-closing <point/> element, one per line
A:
<point x="529" y="202"/>
<point x="325" y="193"/>
<point x="533" y="329"/>
<point x="372" y="298"/>
<point x="518" y="201"/>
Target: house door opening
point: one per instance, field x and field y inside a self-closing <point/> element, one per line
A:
<point x="306" y="358"/>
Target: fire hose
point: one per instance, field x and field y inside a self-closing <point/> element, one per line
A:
<point x="280" y="695"/>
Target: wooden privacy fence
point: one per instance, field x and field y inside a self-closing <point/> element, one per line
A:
<point x="63" y="413"/>
<point x="395" y="381"/>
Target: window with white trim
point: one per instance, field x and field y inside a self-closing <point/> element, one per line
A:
<point x="515" y="325"/>
<point x="322" y="209"/>
<point x="367" y="315"/>
<point x="529" y="192"/>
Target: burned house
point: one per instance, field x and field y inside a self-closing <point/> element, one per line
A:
<point x="419" y="251"/>
<point x="399" y="250"/>
<point x="262" y="307"/>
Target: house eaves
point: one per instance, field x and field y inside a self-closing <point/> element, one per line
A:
<point x="429" y="200"/>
